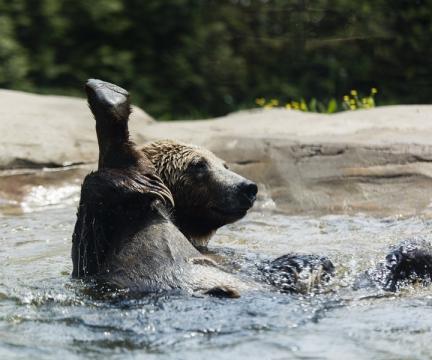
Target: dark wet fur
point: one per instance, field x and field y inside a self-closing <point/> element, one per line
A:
<point x="289" y="271"/>
<point x="408" y="263"/>
<point x="124" y="237"/>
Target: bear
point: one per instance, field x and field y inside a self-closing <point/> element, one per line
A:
<point x="207" y="196"/>
<point x="206" y="193"/>
<point x="198" y="180"/>
<point x="124" y="237"/>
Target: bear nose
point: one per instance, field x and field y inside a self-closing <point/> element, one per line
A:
<point x="249" y="189"/>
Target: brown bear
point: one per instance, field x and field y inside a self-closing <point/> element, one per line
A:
<point x="124" y="236"/>
<point x="207" y="195"/>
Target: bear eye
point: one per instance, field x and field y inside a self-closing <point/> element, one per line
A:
<point x="225" y="166"/>
<point x="198" y="165"/>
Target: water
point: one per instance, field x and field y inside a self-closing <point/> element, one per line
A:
<point x="45" y="314"/>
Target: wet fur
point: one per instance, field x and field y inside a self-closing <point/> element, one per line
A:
<point x="408" y="263"/>
<point x="124" y="236"/>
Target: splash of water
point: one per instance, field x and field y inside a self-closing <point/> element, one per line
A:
<point x="41" y="197"/>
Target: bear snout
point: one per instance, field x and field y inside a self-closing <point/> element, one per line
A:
<point x="248" y="190"/>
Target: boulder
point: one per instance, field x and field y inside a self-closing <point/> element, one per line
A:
<point x="42" y="130"/>
<point x="375" y="161"/>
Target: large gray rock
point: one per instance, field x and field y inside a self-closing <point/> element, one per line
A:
<point x="41" y="130"/>
<point x="375" y="161"/>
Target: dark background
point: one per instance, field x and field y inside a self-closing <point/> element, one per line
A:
<point x="200" y="58"/>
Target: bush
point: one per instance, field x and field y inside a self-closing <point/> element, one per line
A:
<point x="189" y="58"/>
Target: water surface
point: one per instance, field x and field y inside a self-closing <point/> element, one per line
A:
<point x="44" y="314"/>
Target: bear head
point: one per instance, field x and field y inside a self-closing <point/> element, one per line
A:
<point x="207" y="195"/>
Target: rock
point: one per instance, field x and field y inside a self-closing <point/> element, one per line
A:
<point x="41" y="130"/>
<point x="375" y="161"/>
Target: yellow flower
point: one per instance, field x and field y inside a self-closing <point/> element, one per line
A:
<point x="352" y="102"/>
<point x="274" y="102"/>
<point x="288" y="106"/>
<point x="374" y="90"/>
<point x="260" y="101"/>
<point x="353" y="92"/>
<point x="353" y="107"/>
<point x="346" y="98"/>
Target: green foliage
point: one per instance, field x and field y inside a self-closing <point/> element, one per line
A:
<point x="14" y="66"/>
<point x="349" y="102"/>
<point x="183" y="58"/>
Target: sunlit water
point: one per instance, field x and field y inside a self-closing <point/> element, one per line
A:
<point x="44" y="314"/>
